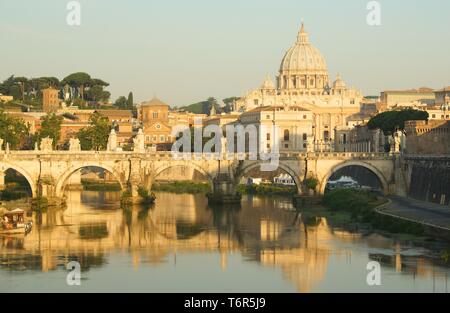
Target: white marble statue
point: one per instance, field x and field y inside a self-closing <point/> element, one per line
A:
<point x="46" y="144"/>
<point x="139" y="142"/>
<point x="74" y="144"/>
<point x="112" y="141"/>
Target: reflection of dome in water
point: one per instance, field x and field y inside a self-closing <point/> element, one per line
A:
<point x="306" y="266"/>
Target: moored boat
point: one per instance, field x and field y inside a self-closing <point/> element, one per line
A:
<point x="13" y="222"/>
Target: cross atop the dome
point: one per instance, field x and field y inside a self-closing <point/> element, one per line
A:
<point x="302" y="35"/>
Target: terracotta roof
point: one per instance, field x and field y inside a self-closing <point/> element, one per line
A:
<point x="114" y="112"/>
<point x="155" y="101"/>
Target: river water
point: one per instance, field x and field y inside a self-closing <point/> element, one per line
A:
<point x="182" y="245"/>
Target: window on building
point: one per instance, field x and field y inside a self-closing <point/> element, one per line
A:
<point x="352" y="101"/>
<point x="268" y="146"/>
<point x="433" y="116"/>
<point x="286" y="135"/>
<point x="286" y="146"/>
<point x="154" y="138"/>
<point x="304" y="146"/>
<point x="256" y="101"/>
<point x="305" y="137"/>
<point x="155" y="114"/>
<point x="268" y="136"/>
<point x="162" y="138"/>
<point x="268" y="117"/>
<point x="305" y="117"/>
<point x="326" y="135"/>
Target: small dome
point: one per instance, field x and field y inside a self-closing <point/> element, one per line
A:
<point x="303" y="57"/>
<point x="339" y="83"/>
<point x="155" y="102"/>
<point x="268" y="83"/>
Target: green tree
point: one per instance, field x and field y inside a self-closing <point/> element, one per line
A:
<point x="22" y="82"/>
<point x="390" y="121"/>
<point x="95" y="93"/>
<point x="229" y="104"/>
<point x="130" y="101"/>
<point x="121" y="103"/>
<point x="78" y="81"/>
<point x="95" y="136"/>
<point x="5" y="86"/>
<point x="50" y="127"/>
<point x="209" y="104"/>
<point x="105" y="96"/>
<point x="13" y="131"/>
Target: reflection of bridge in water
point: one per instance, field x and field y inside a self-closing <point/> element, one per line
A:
<point x="261" y="231"/>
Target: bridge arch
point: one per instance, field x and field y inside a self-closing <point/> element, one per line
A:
<point x="62" y="181"/>
<point x="370" y="167"/>
<point x="286" y="168"/>
<point x="169" y="165"/>
<point x="4" y="166"/>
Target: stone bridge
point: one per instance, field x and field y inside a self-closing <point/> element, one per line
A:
<point x="48" y="172"/>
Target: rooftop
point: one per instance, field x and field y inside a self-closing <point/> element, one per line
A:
<point x="277" y="108"/>
<point x="155" y="102"/>
<point x="114" y="112"/>
<point x="418" y="90"/>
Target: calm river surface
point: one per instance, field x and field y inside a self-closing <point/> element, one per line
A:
<point x="182" y="245"/>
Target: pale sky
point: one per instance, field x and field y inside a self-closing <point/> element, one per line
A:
<point x="185" y="51"/>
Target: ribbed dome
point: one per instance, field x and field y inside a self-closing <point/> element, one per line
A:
<point x="303" y="57"/>
<point x="339" y="83"/>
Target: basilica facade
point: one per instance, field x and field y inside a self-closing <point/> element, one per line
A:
<point x="315" y="110"/>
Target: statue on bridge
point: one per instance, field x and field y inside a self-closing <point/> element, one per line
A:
<point x="112" y="141"/>
<point x="46" y="144"/>
<point x="396" y="141"/>
<point x="74" y="144"/>
<point x="139" y="142"/>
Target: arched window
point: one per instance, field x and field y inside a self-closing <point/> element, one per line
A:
<point x="286" y="135"/>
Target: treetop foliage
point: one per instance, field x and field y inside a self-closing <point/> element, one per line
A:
<point x="391" y="121"/>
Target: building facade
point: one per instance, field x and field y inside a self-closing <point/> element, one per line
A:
<point x="50" y="100"/>
<point x="154" y="116"/>
<point x="5" y="99"/>
<point x="303" y="83"/>
<point x="428" y="137"/>
<point x="442" y="96"/>
<point x="405" y="98"/>
<point x="293" y="131"/>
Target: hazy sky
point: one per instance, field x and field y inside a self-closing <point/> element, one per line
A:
<point x="187" y="50"/>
